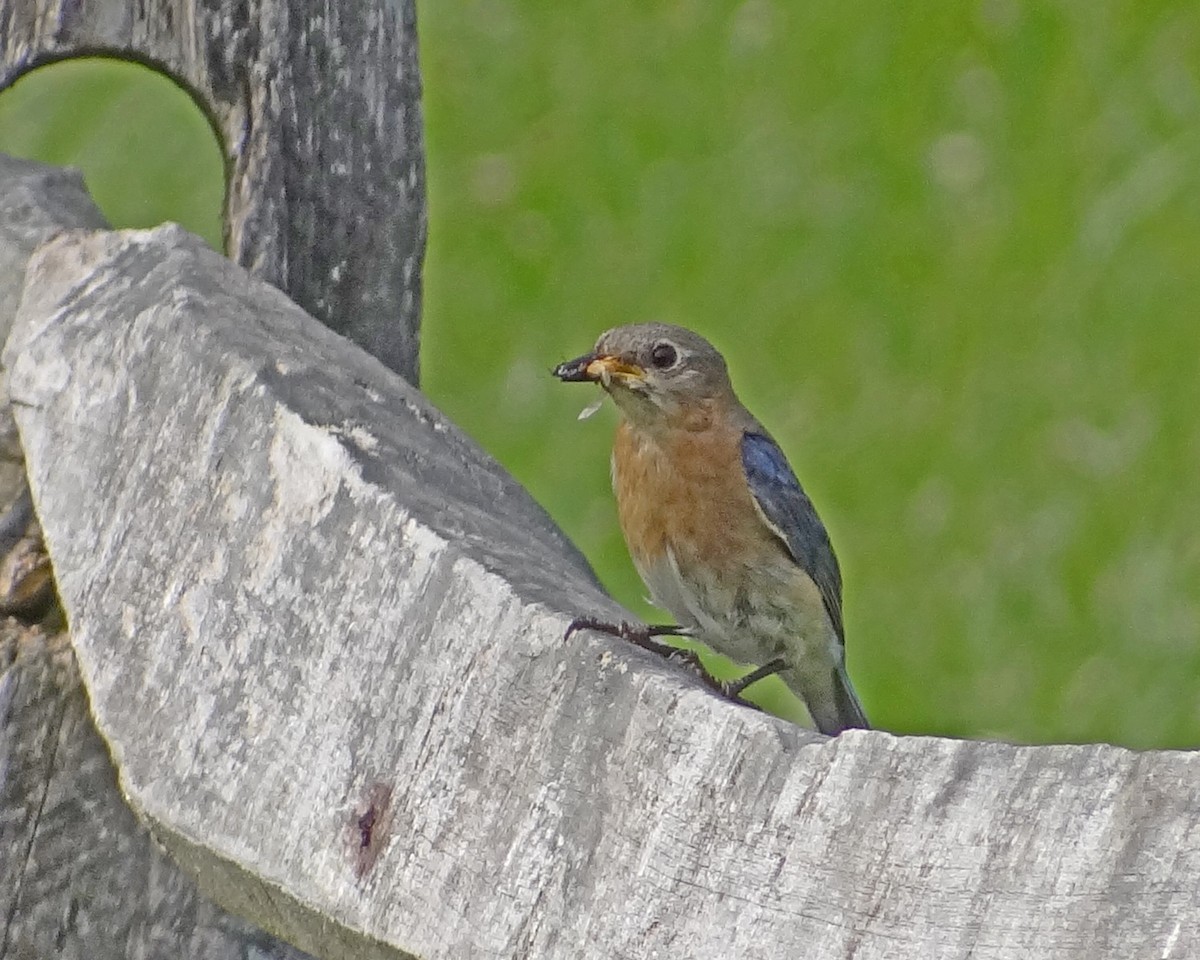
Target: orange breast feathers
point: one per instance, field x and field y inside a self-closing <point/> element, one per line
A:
<point x="686" y="490"/>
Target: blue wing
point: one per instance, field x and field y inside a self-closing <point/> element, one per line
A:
<point x="793" y="518"/>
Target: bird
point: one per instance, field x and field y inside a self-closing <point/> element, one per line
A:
<point x="717" y="525"/>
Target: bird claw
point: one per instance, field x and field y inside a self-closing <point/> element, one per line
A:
<point x="639" y="634"/>
<point x="642" y="635"/>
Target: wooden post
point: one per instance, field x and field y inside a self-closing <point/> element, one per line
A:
<point x="317" y="106"/>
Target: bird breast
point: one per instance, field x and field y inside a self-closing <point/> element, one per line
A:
<point x="681" y="489"/>
<point x="693" y="530"/>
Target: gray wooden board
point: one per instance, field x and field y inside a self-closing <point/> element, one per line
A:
<point x="36" y="201"/>
<point x="318" y="109"/>
<point x="322" y="632"/>
<point x="79" y="876"/>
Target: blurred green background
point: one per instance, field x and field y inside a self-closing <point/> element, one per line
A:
<point x="951" y="251"/>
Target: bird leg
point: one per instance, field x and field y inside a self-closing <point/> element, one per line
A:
<point x="642" y="635"/>
<point x="734" y="688"/>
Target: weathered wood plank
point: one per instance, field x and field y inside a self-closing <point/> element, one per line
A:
<point x="79" y="876"/>
<point x="323" y="633"/>
<point x="318" y="109"/>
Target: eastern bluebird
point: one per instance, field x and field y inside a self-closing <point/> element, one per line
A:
<point x="717" y="524"/>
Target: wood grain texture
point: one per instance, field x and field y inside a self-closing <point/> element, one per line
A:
<point x="317" y="104"/>
<point x="322" y="633"/>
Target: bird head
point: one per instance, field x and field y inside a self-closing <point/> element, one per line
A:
<point x="653" y="371"/>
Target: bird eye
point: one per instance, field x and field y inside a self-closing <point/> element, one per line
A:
<point x="663" y="356"/>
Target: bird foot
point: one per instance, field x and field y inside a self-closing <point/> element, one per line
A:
<point x="735" y="687"/>
<point x="643" y="635"/>
<point x="636" y="633"/>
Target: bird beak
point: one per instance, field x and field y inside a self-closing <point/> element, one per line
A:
<point x="598" y="368"/>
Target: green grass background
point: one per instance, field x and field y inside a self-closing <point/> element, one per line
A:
<point x="952" y="252"/>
